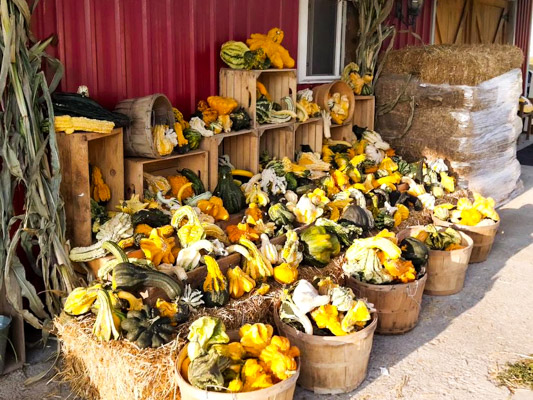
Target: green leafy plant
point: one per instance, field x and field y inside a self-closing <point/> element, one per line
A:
<point x="30" y="161"/>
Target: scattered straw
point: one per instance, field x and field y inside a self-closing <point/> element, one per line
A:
<point x="517" y="375"/>
<point x="455" y="64"/>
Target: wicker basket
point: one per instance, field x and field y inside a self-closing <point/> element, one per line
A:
<point x="144" y="112"/>
<point x="398" y="305"/>
<point x="446" y="270"/>
<point x="483" y="237"/>
<point x="331" y="364"/>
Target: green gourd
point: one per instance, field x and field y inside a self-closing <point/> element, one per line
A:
<point x="415" y="251"/>
<point x="146" y="328"/>
<point x="197" y="183"/>
<point x="129" y="277"/>
<point x="231" y="195"/>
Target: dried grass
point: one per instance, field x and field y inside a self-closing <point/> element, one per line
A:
<point x="455" y="64"/>
<point x="115" y="370"/>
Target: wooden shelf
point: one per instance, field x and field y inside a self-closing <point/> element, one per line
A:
<point x="242" y="86"/>
<point x="265" y="127"/>
<point x="134" y="169"/>
<point x="310" y="132"/>
<point x="76" y="152"/>
<point x="364" y="111"/>
<point x="241" y="146"/>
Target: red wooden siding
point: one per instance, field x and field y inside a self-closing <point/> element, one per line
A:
<point x="423" y="28"/>
<point x="524" y="8"/>
<point x="130" y="48"/>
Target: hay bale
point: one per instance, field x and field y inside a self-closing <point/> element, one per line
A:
<point x="474" y="128"/>
<point x="466" y="64"/>
<point x="115" y="370"/>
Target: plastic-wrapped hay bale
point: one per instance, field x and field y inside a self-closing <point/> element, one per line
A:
<point x="473" y="127"/>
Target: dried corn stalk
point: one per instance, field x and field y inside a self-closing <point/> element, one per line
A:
<point x="30" y="163"/>
<point x="372" y="33"/>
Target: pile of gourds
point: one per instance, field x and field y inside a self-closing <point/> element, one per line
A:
<point x="323" y="308"/>
<point x="219" y="114"/>
<point x="480" y="212"/>
<point x="257" y="361"/>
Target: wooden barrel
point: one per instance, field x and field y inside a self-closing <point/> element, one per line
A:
<point x="322" y="93"/>
<point x="398" y="305"/>
<point x="144" y="112"/>
<point x="483" y="237"/>
<point x="331" y="364"/>
<point x="446" y="270"/>
<point x="283" y="390"/>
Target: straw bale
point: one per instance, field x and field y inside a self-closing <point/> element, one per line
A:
<point x="115" y="370"/>
<point x="468" y="64"/>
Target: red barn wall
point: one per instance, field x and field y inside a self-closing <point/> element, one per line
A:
<point x="423" y="27"/>
<point x="130" y="48"/>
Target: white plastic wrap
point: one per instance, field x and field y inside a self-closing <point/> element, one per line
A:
<point x="474" y="128"/>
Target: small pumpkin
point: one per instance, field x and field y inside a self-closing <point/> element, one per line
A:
<point x="215" y="288"/>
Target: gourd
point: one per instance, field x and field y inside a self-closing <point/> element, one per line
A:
<point x="176" y="183"/>
<point x="130" y="277"/>
<point x="319" y="246"/>
<point x="239" y="282"/>
<point x="222" y="105"/>
<point x="215" y="287"/>
<point x="280" y="215"/>
<point x="231" y="195"/>
<point x="357" y="216"/>
<point x="384" y="220"/>
<point x="240" y="118"/>
<point x="99" y="189"/>
<point x="193" y="137"/>
<point x="153" y="217"/>
<point x="146" y="328"/>
<point x="197" y="183"/>
<point x="214" y="208"/>
<point x="415" y="251"/>
<point x="232" y="53"/>
<point x="285" y="273"/>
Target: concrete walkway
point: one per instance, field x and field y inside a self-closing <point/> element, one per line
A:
<point x="458" y="343"/>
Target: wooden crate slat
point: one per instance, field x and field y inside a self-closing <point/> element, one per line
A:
<point x="310" y="133"/>
<point x="364" y="111"/>
<point x="196" y="161"/>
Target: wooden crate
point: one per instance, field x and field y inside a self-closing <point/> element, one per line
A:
<point x="278" y="141"/>
<point x="134" y="168"/>
<point x="241" y="85"/>
<point x="364" y="110"/>
<point x="310" y="132"/>
<point x="241" y="146"/>
<point x="16" y="334"/>
<point x="342" y="132"/>
<point x="76" y="152"/>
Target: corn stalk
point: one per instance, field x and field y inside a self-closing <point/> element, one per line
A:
<point x="29" y="160"/>
<point x="372" y="33"/>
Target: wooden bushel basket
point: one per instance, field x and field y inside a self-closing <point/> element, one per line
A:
<point x="446" y="270"/>
<point x="321" y="95"/>
<point x="483" y="237"/>
<point x="144" y="112"/>
<point x="331" y="364"/>
<point x="283" y="390"/>
<point x="398" y="305"/>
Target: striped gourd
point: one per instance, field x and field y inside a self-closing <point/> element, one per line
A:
<point x="232" y="53"/>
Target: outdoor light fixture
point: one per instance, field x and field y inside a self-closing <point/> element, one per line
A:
<point x="413" y="10"/>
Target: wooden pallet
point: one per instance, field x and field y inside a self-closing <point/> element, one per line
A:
<point x="310" y="132"/>
<point x="241" y="146"/>
<point x="242" y="86"/>
<point x="134" y="168"/>
<point x="364" y="111"/>
<point x="76" y="152"/>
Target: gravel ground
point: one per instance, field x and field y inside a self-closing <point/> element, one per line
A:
<point x="458" y="344"/>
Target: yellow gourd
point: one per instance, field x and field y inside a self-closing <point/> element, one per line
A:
<point x="215" y="208"/>
<point x="159" y="249"/>
<point x="99" y="189"/>
<point x="271" y="45"/>
<point x="239" y="282"/>
<point x="285" y="273"/>
<point x="176" y="183"/>
<point x="222" y="105"/>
